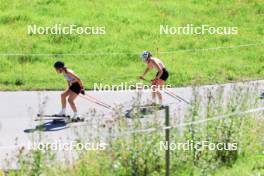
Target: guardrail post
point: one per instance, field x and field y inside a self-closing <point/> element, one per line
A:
<point x="167" y="138"/>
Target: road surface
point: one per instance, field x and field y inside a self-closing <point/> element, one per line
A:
<point x="19" y="108"/>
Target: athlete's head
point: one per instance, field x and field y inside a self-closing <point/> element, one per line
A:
<point x="59" y="66"/>
<point x="146" y="55"/>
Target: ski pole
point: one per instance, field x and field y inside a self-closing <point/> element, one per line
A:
<point x="176" y="96"/>
<point x="173" y="94"/>
<point x="96" y="101"/>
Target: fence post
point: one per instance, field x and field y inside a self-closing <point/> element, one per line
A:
<point x="167" y="138"/>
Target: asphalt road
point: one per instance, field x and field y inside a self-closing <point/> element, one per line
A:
<point x="18" y="110"/>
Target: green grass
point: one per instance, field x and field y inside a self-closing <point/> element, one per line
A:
<point x="197" y="68"/>
<point x="245" y="166"/>
<point x="131" y="27"/>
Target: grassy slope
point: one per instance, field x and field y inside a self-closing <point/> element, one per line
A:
<point x="131" y="27"/>
<point x="244" y="166"/>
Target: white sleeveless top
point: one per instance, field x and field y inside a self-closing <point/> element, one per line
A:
<point x="67" y="77"/>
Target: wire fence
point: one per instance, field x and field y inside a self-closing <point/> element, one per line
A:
<point x="99" y="53"/>
<point x="150" y="130"/>
<point x="215" y="118"/>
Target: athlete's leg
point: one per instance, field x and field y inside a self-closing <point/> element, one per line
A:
<point x="153" y="91"/>
<point x="72" y="97"/>
<point x="160" y="84"/>
<point x="64" y="95"/>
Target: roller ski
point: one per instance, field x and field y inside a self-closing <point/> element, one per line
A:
<point x="143" y="110"/>
<point x="57" y="118"/>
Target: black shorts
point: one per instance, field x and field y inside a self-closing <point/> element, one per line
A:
<point x="76" y="88"/>
<point x="164" y="75"/>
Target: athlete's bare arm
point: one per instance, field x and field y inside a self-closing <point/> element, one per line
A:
<point x="76" y="78"/>
<point x="145" y="72"/>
